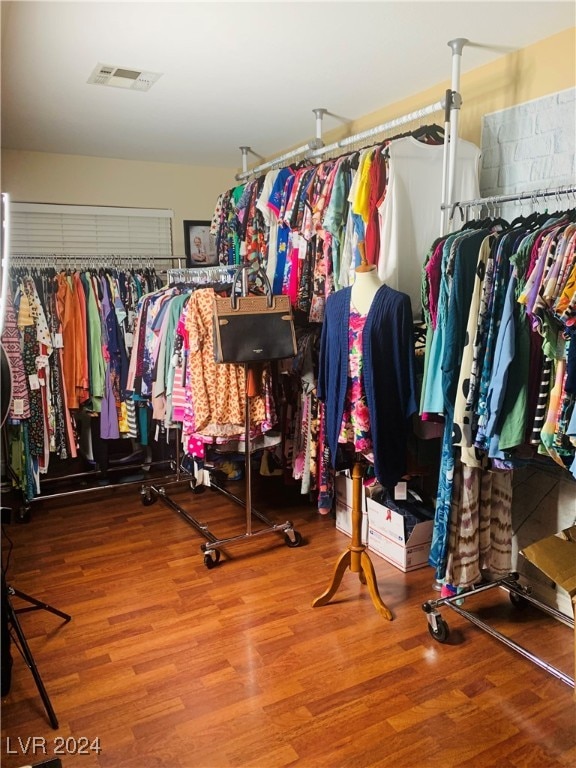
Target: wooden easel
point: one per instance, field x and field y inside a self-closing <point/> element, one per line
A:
<point x="355" y="557"/>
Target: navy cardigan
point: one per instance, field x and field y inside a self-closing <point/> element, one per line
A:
<point x="388" y="370"/>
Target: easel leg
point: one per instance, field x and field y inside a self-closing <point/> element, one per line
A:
<point x="22" y="644"/>
<point x="37" y="605"/>
<point x="356" y="558"/>
<point x="31" y="664"/>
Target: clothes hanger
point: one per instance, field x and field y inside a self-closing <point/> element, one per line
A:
<point x="429" y="134"/>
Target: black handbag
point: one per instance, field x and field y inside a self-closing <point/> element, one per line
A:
<point x="253" y="328"/>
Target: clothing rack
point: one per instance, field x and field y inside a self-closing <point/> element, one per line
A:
<point x="519" y="594"/>
<point x="311" y="153"/>
<point x="85" y="260"/>
<point x="201" y="275"/>
<point x="518" y="197"/>
<point x="150" y="493"/>
<point x="130" y="470"/>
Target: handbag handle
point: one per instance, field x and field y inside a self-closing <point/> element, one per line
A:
<point x="260" y="272"/>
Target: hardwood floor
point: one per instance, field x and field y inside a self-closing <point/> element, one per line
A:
<point x="171" y="664"/>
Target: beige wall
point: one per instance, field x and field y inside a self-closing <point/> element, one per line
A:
<point x="190" y="191"/>
<point x="540" y="69"/>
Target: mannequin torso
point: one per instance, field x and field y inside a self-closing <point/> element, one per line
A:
<point x="366" y="284"/>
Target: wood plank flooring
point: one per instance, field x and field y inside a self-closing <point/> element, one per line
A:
<point x="171" y="664"/>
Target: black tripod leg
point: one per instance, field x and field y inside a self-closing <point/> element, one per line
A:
<point x="31" y="664"/>
<point x="37" y="605"/>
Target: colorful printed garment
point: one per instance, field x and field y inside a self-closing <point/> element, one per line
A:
<point x="355" y="427"/>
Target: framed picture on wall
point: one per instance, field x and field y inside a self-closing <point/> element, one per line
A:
<point x="199" y="244"/>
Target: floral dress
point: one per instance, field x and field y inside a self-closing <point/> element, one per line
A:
<point x="355" y="427"/>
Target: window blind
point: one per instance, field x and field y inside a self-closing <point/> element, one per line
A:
<point x="81" y="230"/>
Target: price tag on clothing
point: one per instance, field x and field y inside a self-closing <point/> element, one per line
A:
<point x="129" y="339"/>
<point x="57" y="341"/>
<point x="401" y="491"/>
<point x="18" y="406"/>
<point x="34" y="381"/>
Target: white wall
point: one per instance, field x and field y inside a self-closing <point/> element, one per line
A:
<point x="530" y="146"/>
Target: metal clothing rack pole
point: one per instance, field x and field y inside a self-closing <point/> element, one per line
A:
<point x="291" y="536"/>
<point x="397" y="122"/>
<point x="312" y="154"/>
<point x="451" y="120"/>
<point x="531" y="196"/>
<point x="200" y="275"/>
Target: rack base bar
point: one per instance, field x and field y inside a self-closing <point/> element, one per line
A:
<point x="202" y="528"/>
<point x="242" y="503"/>
<point x="211" y="548"/>
<point x="508" y="583"/>
<point x="524" y="594"/>
<point x="439" y="629"/>
<point x="115" y="468"/>
<point x="515" y="646"/>
<point x="282" y="528"/>
<point x="80" y="491"/>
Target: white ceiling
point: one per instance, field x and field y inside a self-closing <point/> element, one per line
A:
<point x="235" y="73"/>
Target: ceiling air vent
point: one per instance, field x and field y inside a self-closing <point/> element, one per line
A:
<point x="120" y="77"/>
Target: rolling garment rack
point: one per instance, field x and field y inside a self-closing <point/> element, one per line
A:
<point x="49" y="482"/>
<point x="519" y="594"/>
<point x="150" y="493"/>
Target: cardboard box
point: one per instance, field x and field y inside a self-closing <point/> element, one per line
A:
<point x="392" y="539"/>
<point x="343" y="491"/>
<point x="543" y="503"/>
<point x="555" y="556"/>
<point x="344" y="522"/>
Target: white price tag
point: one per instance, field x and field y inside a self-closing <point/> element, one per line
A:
<point x="401" y="491"/>
<point x="129" y="339"/>
<point x="34" y="381"/>
<point x="58" y="341"/>
<point x="18" y="406"/>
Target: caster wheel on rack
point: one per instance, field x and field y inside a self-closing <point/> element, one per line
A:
<point x="196" y="489"/>
<point x="212" y="558"/>
<point x="441" y="632"/>
<point x="23" y="514"/>
<point x="147" y="499"/>
<point x="297" y="539"/>
<point x="517" y="600"/>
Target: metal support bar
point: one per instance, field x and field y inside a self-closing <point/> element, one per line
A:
<point x="515" y="646"/>
<point x="534" y="195"/>
<point x="451" y="136"/>
<point x="509" y="584"/>
<point x="244" y="151"/>
<point x="242" y="503"/>
<point x="378" y="129"/>
<point x="312" y="151"/>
